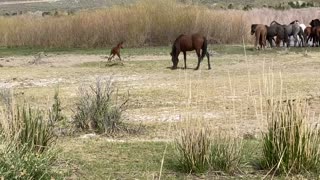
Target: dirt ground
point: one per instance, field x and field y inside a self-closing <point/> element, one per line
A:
<point x="227" y="96"/>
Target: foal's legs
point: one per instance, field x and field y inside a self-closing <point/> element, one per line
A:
<point x="118" y="54"/>
<point x="199" y="59"/>
<point x="185" y="59"/>
<point x="110" y="57"/>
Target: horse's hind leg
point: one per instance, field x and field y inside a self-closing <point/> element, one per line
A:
<point x="295" y="40"/>
<point x="118" y="54"/>
<point x="185" y="59"/>
<point x="208" y="57"/>
<point x="199" y="59"/>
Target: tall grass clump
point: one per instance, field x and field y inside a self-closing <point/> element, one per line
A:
<point x="98" y="109"/>
<point x="199" y="150"/>
<point x="194" y="148"/>
<point x="23" y="164"/>
<point x="24" y="125"/>
<point x="27" y="136"/>
<point x="226" y="153"/>
<point x="291" y="144"/>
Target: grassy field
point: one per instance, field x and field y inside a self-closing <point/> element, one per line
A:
<point x="226" y="96"/>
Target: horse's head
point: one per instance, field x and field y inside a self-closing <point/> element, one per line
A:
<point x="174" y="60"/>
<point x="315" y="22"/>
<point x="120" y="45"/>
<point x="253" y="28"/>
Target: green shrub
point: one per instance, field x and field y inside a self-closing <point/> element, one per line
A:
<point x="23" y="164"/>
<point x="290" y="145"/>
<point x="24" y="125"/>
<point x="97" y="108"/>
<point x="27" y="135"/>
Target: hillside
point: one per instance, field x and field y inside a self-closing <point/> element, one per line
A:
<point x="51" y="5"/>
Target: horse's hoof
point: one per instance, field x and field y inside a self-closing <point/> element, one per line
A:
<point x="209" y="68"/>
<point x="196" y="69"/>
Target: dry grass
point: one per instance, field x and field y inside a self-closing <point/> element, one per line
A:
<point x="148" y="22"/>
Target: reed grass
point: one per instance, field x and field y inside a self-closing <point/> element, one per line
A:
<point x="291" y="144"/>
<point x="146" y="22"/>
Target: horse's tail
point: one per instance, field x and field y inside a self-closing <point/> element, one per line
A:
<point x="204" y="48"/>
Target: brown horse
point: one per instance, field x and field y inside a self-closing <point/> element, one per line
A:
<point x="260" y="32"/>
<point x="116" y="51"/>
<point x="189" y="43"/>
<point x="308" y="34"/>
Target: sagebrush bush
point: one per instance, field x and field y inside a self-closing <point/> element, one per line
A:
<point x="97" y="108"/>
<point x="291" y="144"/>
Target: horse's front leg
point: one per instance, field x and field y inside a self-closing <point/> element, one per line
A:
<point x="185" y="59"/>
<point x="199" y="59"/>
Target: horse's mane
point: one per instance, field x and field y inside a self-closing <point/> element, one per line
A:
<point x="174" y="44"/>
<point x="274" y="22"/>
<point x="295" y="21"/>
<point x="178" y="37"/>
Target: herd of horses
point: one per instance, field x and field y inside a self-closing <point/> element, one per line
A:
<point x="263" y="33"/>
<point x="301" y="34"/>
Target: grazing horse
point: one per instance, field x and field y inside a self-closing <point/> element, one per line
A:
<point x="116" y="51"/>
<point x="278" y="30"/>
<point x="189" y="43"/>
<point x="260" y="32"/>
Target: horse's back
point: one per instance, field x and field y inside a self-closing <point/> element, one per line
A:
<point x="190" y="42"/>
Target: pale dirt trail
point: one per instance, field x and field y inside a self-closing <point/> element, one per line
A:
<point x="26" y="2"/>
<point x="69" y="60"/>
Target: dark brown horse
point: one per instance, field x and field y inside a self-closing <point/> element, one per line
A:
<point x="116" y="51"/>
<point x="189" y="43"/>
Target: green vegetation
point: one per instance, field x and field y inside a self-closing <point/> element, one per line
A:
<point x="98" y="109"/>
<point x="291" y="146"/>
<point x="198" y="150"/>
<point x="228" y="97"/>
<point x="26" y="139"/>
